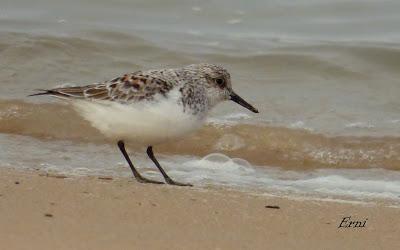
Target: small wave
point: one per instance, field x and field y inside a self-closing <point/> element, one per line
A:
<point x="395" y="121"/>
<point x="231" y="119"/>
<point x="68" y="158"/>
<point x="260" y="144"/>
<point x="234" y="21"/>
<point x="352" y="61"/>
<point x="360" y="125"/>
<point x="300" y="125"/>
<point x="33" y="60"/>
<point x="223" y="170"/>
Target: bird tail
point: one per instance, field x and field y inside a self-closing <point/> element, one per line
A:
<point x="50" y="92"/>
<point x="42" y="92"/>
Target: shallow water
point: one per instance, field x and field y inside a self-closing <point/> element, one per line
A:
<point x="324" y="75"/>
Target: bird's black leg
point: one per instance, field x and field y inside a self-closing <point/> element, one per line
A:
<point x="166" y="177"/>
<point x="137" y="175"/>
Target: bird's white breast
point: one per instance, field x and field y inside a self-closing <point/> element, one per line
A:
<point x="143" y="123"/>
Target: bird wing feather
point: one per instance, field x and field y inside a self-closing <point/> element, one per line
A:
<point x="131" y="87"/>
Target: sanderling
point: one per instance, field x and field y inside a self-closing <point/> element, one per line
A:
<point x="151" y="107"/>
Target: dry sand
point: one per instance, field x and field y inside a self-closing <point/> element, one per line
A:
<point x="39" y="212"/>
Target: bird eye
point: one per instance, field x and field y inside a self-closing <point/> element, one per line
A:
<point x="220" y="82"/>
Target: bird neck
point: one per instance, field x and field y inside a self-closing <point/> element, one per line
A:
<point x="194" y="99"/>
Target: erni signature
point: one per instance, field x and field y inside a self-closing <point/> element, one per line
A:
<point x="347" y="222"/>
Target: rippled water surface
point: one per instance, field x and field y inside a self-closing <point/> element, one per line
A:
<point x="325" y="76"/>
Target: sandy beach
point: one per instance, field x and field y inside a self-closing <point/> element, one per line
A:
<point x="53" y="212"/>
<point x="320" y="157"/>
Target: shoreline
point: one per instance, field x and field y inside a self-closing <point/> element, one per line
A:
<point x="53" y="212"/>
<point x="262" y="144"/>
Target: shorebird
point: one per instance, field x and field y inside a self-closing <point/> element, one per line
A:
<point x="152" y="107"/>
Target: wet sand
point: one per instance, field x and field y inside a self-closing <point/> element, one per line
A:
<point x="44" y="212"/>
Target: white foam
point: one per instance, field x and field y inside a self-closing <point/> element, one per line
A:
<point x="197" y="8"/>
<point x="395" y="121"/>
<point x="300" y="125"/>
<point x="230" y="119"/>
<point x="357" y="184"/>
<point x="365" y="125"/>
<point x="234" y="21"/>
<point x="214" y="169"/>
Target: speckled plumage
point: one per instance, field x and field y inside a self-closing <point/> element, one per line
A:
<point x="195" y="83"/>
<point x="151" y="107"/>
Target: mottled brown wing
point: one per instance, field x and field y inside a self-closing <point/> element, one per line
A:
<point x="128" y="88"/>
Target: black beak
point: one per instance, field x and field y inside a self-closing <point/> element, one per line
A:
<point x="239" y="100"/>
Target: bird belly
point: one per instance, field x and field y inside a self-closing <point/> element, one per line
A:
<point x="139" y="123"/>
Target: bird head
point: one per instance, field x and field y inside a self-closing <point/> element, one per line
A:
<point x="219" y="86"/>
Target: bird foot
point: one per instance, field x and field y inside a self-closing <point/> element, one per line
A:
<point x="175" y="183"/>
<point x="142" y="179"/>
